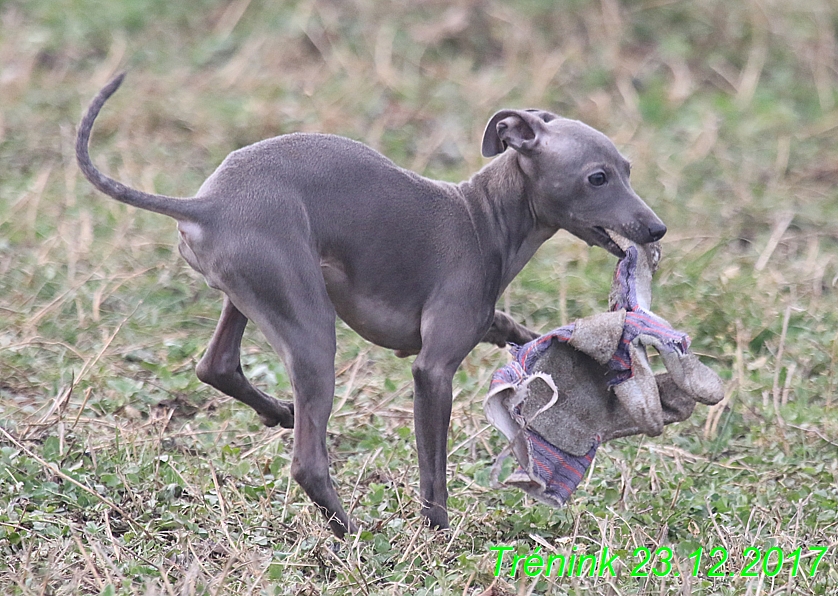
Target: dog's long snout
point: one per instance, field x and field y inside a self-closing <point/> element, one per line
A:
<point x="656" y="231"/>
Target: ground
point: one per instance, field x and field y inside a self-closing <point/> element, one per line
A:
<point x="120" y="473"/>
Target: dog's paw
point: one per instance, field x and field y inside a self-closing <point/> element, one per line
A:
<point x="282" y="415"/>
<point x="436" y="517"/>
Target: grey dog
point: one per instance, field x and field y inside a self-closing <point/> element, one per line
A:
<point x="301" y="228"/>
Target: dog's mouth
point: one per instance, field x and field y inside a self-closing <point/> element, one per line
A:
<point x="603" y="238"/>
<point x="650" y="253"/>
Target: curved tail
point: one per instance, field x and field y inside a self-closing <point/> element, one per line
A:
<point x="181" y="209"/>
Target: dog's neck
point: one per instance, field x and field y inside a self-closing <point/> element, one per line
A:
<point x="499" y="202"/>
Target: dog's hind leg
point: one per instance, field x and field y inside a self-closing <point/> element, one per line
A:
<point x="284" y="294"/>
<point x="221" y="368"/>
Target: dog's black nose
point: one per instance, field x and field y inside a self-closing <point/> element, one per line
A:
<point x="657" y="231"/>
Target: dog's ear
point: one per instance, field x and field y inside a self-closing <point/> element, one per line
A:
<point x="519" y="129"/>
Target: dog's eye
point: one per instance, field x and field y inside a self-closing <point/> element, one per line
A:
<point x="598" y="178"/>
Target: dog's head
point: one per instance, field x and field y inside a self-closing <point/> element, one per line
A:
<point x="577" y="179"/>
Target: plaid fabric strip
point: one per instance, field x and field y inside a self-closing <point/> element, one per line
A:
<point x="624" y="276"/>
<point x="638" y="320"/>
<point x="528" y="354"/>
<point x="525" y="357"/>
<point x="559" y="471"/>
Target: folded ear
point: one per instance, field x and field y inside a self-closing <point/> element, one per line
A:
<point x="519" y="129"/>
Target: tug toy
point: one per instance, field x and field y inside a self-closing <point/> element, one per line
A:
<point x="569" y="390"/>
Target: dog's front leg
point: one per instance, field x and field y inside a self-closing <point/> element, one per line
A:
<point x="445" y="343"/>
<point x="505" y="330"/>
<point x="432" y="414"/>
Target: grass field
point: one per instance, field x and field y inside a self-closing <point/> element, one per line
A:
<point x="120" y="473"/>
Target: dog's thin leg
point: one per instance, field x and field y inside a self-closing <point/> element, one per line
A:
<point x="307" y="346"/>
<point x="312" y="373"/>
<point x="431" y="416"/>
<point x="505" y="330"/>
<point x="221" y="368"/>
<point x="433" y="372"/>
<point x="287" y="300"/>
